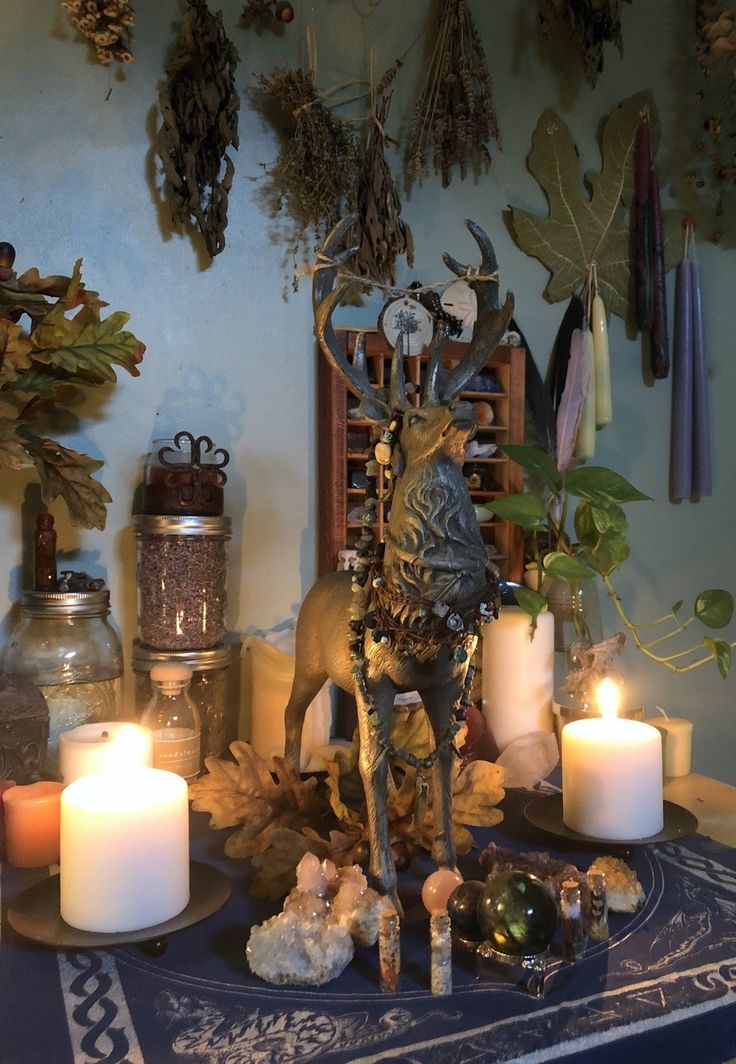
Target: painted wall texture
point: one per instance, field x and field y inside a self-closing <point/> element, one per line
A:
<point x="229" y="356"/>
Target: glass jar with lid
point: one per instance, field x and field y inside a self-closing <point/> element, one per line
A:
<point x="65" y="643"/>
<point x="182" y="569"/>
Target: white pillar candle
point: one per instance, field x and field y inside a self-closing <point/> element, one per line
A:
<point x="518" y="675"/>
<point x="612" y="778"/>
<point x="678" y="744"/>
<point x="124" y="850"/>
<point x="115" y="745"/>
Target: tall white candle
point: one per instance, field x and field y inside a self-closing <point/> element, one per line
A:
<point x="612" y="778"/>
<point x="113" y="745"/>
<point x="518" y="675"/>
<point x="678" y="744"/>
<point x="124" y="850"/>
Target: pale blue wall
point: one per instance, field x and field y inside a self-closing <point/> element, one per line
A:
<point x="228" y="357"/>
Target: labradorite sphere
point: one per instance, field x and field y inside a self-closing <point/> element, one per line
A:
<point x="517" y="914"/>
<point x="462" y="905"/>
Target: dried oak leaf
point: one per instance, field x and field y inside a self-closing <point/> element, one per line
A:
<point x="15" y="349"/>
<point x="275" y="868"/>
<point x="245" y="793"/>
<point x="584" y="229"/>
<point x="67" y="473"/>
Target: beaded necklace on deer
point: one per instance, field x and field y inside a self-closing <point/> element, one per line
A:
<point x="371" y="607"/>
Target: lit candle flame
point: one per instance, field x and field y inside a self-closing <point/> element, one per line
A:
<point x="608" y="697"/>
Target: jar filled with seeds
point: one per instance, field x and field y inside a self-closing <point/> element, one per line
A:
<point x="182" y="565"/>
<point x="208" y="688"/>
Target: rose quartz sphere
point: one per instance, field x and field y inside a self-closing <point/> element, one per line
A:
<point x="438" y="887"/>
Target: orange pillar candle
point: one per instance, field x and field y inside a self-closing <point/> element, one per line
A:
<point x="32" y="824"/>
<point x="5" y="785"/>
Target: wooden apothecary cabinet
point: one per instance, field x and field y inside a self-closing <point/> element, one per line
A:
<point x="344" y="444"/>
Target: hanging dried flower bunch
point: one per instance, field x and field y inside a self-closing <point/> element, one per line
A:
<point x="107" y="25"/>
<point x="383" y="235"/>
<point x="588" y="25"/>
<point x="716" y="52"/>
<point x="455" y="111"/>
<point x="199" y="106"/>
<point x="317" y="166"/>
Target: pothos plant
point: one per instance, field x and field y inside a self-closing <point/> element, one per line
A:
<point x="54" y="345"/>
<point x="592" y="497"/>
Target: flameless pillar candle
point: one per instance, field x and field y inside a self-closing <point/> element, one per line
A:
<point x="517" y="677"/>
<point x="612" y="778"/>
<point x="678" y="747"/>
<point x="113" y="746"/>
<point x="124" y="850"/>
<point x="32" y="824"/>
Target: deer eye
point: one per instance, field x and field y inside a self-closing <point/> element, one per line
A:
<point x="415" y="419"/>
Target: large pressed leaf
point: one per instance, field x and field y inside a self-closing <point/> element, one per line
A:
<point x="582" y="229"/>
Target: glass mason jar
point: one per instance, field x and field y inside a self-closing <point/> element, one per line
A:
<point x="182" y="568"/>
<point x="66" y="645"/>
<point x="576" y="610"/>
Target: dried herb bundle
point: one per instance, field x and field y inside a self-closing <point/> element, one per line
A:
<point x="382" y="233"/>
<point x="199" y="106"/>
<point x="317" y="166"/>
<point x="716" y="53"/>
<point x="588" y="24"/>
<point x="107" y="24"/>
<point x="455" y="109"/>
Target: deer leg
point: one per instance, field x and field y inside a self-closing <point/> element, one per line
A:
<point x="305" y="687"/>
<point x="374" y="771"/>
<point x="438" y="703"/>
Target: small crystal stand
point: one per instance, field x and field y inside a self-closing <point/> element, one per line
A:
<point x="534" y="966"/>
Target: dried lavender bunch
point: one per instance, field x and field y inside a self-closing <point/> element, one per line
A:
<point x="455" y="111"/>
<point x="107" y="25"/>
<point x="199" y="106"/>
<point x="317" y="166"/>
<point x="589" y="24"/>
<point x="382" y="234"/>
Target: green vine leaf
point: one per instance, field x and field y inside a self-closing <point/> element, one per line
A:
<point x="584" y="229"/>
<point x="714" y="608"/>
<point x="523" y="509"/>
<point x="721" y="651"/>
<point x="601" y="485"/>
<point x="535" y="460"/>
<point x="566" y="567"/>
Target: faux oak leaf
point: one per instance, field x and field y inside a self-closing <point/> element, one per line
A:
<point x="582" y="229"/>
<point x="67" y="473"/>
<point x="13" y="454"/>
<point x="245" y="793"/>
<point x="477" y="789"/>
<point x="275" y="868"/>
<point x="15" y="349"/>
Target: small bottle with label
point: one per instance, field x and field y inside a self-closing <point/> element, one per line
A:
<point x="173" y="719"/>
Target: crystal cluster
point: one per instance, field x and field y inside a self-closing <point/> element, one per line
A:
<point x="329" y="912"/>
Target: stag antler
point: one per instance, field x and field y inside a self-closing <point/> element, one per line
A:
<point x="324" y="299"/>
<point x="490" y="324"/>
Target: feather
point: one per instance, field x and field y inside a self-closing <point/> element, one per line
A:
<point x="541" y="427"/>
<point x="572" y="402"/>
<point x="585" y="442"/>
<point x="573" y="318"/>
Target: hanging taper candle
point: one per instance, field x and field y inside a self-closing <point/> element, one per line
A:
<point x="641" y="243"/>
<point x="682" y="387"/>
<point x="601" y="358"/>
<point x="702" y="483"/>
<point x="659" y="342"/>
<point x="585" y="443"/>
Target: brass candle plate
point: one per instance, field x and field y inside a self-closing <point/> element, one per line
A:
<point x="34" y="913"/>
<point x="546" y="813"/>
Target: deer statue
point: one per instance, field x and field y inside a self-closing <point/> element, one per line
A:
<point x="407" y="620"/>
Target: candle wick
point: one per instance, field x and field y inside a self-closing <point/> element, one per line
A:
<point x="106" y="734"/>
<point x="664" y="714"/>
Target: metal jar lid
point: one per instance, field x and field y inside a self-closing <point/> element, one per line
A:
<point x="65" y="603"/>
<point x="217" y="657"/>
<point x="181" y="525"/>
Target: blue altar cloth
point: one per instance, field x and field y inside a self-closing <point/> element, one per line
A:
<point x="661" y="990"/>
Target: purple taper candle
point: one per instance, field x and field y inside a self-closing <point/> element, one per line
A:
<point x="702" y="464"/>
<point x="681" y="437"/>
